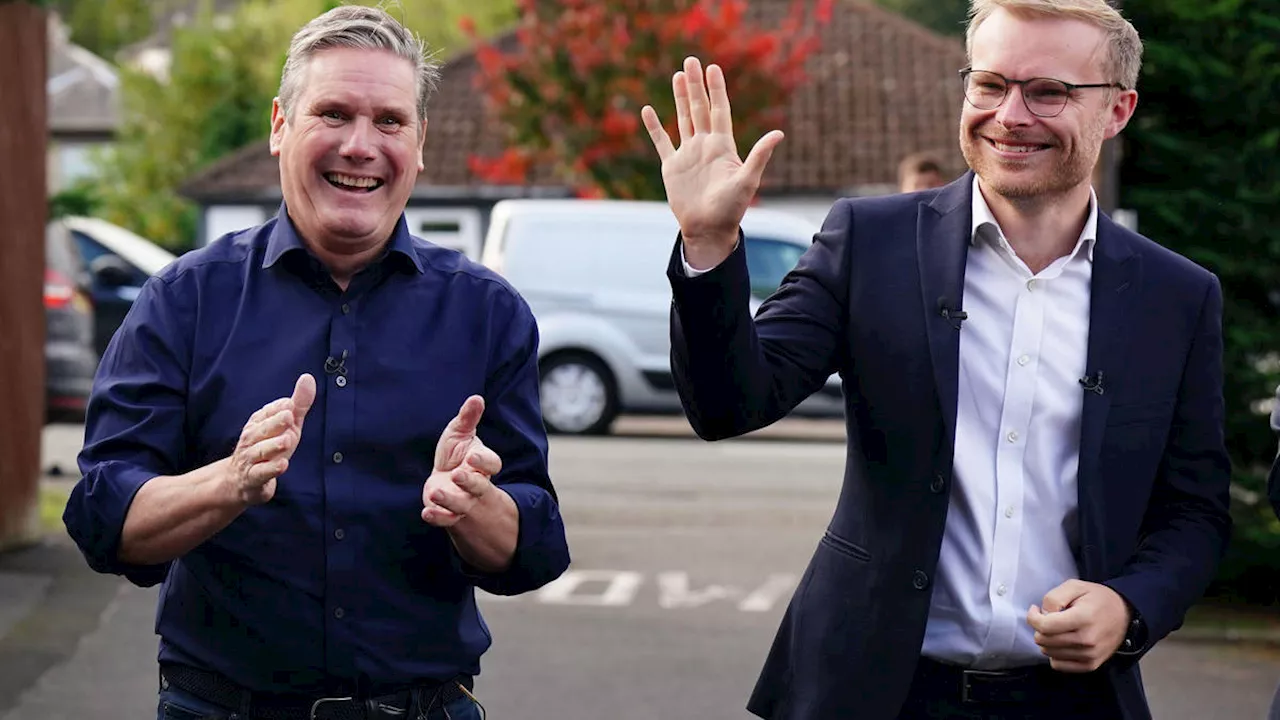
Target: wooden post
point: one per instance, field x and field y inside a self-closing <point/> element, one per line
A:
<point x="23" y="211"/>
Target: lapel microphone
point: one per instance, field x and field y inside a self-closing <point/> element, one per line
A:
<point x="1092" y="383"/>
<point x="337" y="366"/>
<point x="954" y="315"/>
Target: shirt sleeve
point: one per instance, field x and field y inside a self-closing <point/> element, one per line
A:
<point x="512" y="427"/>
<point x="134" y="428"/>
<point x="692" y="272"/>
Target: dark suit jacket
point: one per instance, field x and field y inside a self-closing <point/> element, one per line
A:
<point x="864" y="301"/>
<point x="1273" y="480"/>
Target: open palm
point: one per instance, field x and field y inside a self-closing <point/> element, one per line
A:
<point x="708" y="186"/>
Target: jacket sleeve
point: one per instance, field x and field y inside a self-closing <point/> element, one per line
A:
<point x="735" y="374"/>
<point x="1187" y="524"/>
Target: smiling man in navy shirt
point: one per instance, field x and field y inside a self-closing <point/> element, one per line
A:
<point x="322" y="434"/>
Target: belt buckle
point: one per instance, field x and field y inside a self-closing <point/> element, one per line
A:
<point x="315" y="706"/>
<point x="967" y="675"/>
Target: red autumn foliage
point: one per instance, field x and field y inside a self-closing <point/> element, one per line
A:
<point x="569" y="95"/>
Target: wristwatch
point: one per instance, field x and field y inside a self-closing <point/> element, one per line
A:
<point x="1135" y="638"/>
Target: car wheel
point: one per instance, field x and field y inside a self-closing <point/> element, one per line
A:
<point x="579" y="396"/>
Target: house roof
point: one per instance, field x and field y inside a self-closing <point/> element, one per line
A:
<point x="83" y="89"/>
<point x="878" y="88"/>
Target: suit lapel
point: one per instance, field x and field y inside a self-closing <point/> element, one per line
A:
<point x="1117" y="273"/>
<point x="942" y="246"/>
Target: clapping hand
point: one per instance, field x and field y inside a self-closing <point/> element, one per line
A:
<point x="463" y="469"/>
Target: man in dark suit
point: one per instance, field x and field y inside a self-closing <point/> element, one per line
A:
<point x="1036" y="487"/>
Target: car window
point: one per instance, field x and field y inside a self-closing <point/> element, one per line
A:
<point x="90" y="249"/>
<point x="768" y="261"/>
<point x="60" y="253"/>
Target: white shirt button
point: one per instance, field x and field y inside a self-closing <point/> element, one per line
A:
<point x="1031" y="284"/>
<point x="1008" y="512"/>
<point x="1002" y="589"/>
<point x="1012" y="436"/>
<point x="341" y="380"/>
<point x="1024" y="359"/>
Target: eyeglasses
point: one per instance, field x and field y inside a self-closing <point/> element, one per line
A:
<point x="1044" y="97"/>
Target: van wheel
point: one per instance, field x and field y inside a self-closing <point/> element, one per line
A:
<point x="578" y="395"/>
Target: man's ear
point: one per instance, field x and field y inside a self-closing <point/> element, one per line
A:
<point x="422" y="141"/>
<point x="1122" y="108"/>
<point x="277" y="126"/>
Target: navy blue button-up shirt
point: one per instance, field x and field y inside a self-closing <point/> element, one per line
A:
<point x="337" y="579"/>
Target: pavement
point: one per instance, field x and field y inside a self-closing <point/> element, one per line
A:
<point x="685" y="554"/>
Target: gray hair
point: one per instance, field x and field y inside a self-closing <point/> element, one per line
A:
<point x="1124" y="47"/>
<point x="365" y="28"/>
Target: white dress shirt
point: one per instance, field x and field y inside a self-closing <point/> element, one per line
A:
<point x="1011" y="525"/>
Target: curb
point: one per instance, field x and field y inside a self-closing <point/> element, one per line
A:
<point x="1226" y="636"/>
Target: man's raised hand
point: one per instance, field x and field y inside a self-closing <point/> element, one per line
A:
<point x="708" y="187"/>
<point x="268" y="441"/>
<point x="463" y="468"/>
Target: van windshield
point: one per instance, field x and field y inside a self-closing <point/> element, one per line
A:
<point x="768" y="261"/>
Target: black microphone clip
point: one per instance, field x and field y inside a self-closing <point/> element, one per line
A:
<point x="337" y="366"/>
<point x="1093" y="383"/>
<point x="948" y="313"/>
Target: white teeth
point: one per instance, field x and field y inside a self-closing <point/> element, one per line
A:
<point x="1014" y="148"/>
<point x="351" y="181"/>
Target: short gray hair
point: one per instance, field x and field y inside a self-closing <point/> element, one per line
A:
<point x="365" y="28"/>
<point x="1124" y="47"/>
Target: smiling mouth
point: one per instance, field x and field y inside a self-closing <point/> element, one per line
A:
<point x="1019" y="148"/>
<point x="351" y="183"/>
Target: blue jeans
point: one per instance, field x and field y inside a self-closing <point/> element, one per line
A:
<point x="175" y="704"/>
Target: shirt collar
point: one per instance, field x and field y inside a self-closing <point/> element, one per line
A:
<point x="284" y="239"/>
<point x="982" y="215"/>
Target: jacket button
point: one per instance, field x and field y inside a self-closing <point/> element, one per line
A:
<point x="939" y="483"/>
<point x="920" y="580"/>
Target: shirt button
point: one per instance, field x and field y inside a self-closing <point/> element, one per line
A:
<point x="920" y="580"/>
<point x="1031" y="284"/>
<point x="339" y="533"/>
<point x="1002" y="589"/>
<point x="341" y="381"/>
<point x="939" y="483"/>
<point x="1008" y="512"/>
<point x="1012" y="436"/>
<point x="338" y="613"/>
<point x="1024" y="359"/>
<point x="337" y="457"/>
<point x="345" y="308"/>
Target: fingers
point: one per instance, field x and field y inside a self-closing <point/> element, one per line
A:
<point x="760" y="153"/>
<point x="458" y="434"/>
<point x="699" y="106"/>
<point x="273" y="426"/>
<point x="657" y="134"/>
<point x="1055" y="623"/>
<point x="304" y="395"/>
<point x="680" y="90"/>
<point x="270" y="449"/>
<point x="483" y="459"/>
<point x="721" y="116"/>
<point x="1064" y="595"/>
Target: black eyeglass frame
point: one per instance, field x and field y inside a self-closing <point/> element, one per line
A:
<point x="1008" y="83"/>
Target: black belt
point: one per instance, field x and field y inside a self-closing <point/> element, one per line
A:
<point x="1030" y="684"/>
<point x="214" y="688"/>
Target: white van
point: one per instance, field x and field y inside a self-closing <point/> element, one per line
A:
<point x="594" y="275"/>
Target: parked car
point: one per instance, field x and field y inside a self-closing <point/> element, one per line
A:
<point x="70" y="358"/>
<point x="119" y="263"/>
<point x="594" y="275"/>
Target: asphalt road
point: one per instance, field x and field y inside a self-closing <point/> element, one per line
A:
<point x="684" y="556"/>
